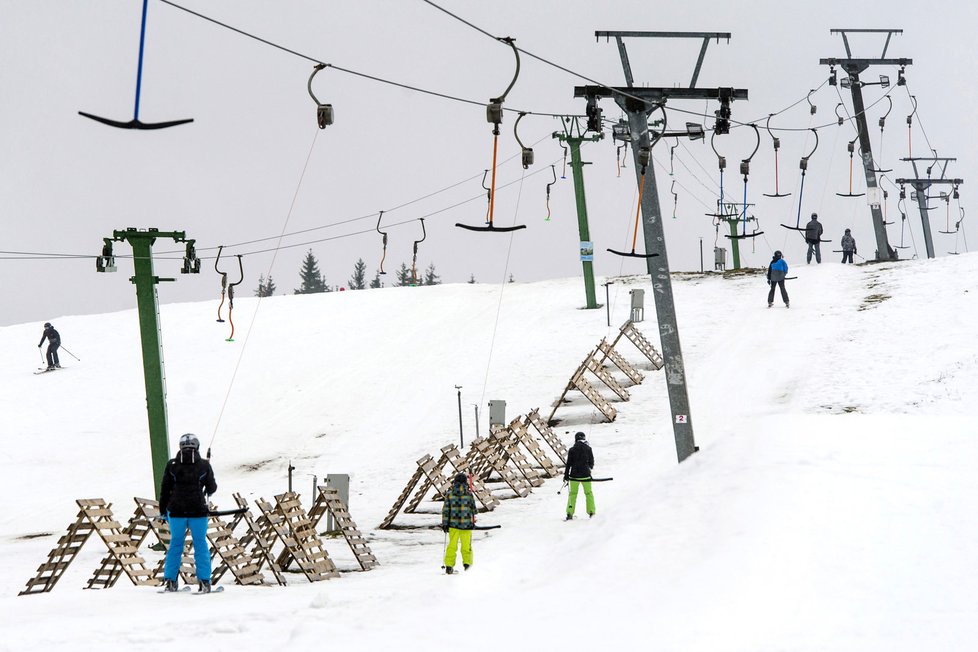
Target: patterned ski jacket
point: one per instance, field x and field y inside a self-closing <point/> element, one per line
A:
<point x="459" y="508"/>
<point x="848" y="243"/>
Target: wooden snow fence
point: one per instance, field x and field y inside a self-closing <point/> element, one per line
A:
<point x="294" y="530"/>
<point x="534" y="419"/>
<point x="462" y="465"/>
<point x="635" y="336"/>
<point x="581" y="384"/>
<point x="610" y="353"/>
<point x="328" y="500"/>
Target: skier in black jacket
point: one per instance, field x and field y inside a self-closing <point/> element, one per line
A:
<point x="580" y="461"/>
<point x="187" y="482"/>
<point x="54" y="342"/>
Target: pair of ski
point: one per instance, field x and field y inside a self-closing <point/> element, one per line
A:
<point x="44" y="370"/>
<point x="185" y="589"/>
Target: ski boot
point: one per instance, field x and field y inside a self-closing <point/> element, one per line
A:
<point x="465" y="566"/>
<point x="204" y="586"/>
<point x="449" y="570"/>
<point x="569" y="517"/>
<point x="170" y="586"/>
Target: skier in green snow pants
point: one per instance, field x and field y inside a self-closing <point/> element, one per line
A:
<point x="580" y="461"/>
<point x="458" y="519"/>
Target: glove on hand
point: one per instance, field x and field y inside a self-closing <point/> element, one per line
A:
<point x="444" y="529"/>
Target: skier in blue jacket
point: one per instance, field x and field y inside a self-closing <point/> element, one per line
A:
<point x="776" y="272"/>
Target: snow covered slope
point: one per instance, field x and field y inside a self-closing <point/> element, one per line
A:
<point x="829" y="508"/>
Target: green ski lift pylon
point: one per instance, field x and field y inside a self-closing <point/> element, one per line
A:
<point x="494" y="115"/>
<point x="414" y="257"/>
<point x="745" y="170"/>
<point x="136" y="123"/>
<point x="383" y="233"/>
<point x="324" y="112"/>
<point x="803" y="165"/>
<point x="644" y="156"/>
<point x="146" y="281"/>
<point x="553" y="169"/>
<point x="777" y="145"/>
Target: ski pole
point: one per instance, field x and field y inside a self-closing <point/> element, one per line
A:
<point x="562" y="487"/>
<point x="444" y="551"/>
<point x="70" y="353"/>
<point x="43" y="360"/>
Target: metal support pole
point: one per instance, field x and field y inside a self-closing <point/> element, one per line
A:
<point x="922" y="189"/>
<point x="461" y="441"/>
<point x="734" y="243"/>
<point x="883" y="249"/>
<point x="607" y="302"/>
<point x="701" y="256"/>
<point x="149" y="335"/>
<point x="577" y="168"/>
<point x="476" y="406"/>
<point x="291" y="469"/>
<point x="665" y="308"/>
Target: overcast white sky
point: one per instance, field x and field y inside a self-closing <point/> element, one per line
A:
<point x="230" y="177"/>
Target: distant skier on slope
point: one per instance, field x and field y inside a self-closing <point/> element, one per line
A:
<point x="54" y="342"/>
<point x="187" y="482"/>
<point x="580" y="461"/>
<point x="848" y="247"/>
<point x="813" y="235"/>
<point x="458" y="520"/>
<point x="776" y="271"/>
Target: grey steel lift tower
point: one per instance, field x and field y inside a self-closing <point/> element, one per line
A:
<point x="638" y="103"/>
<point x="922" y="186"/>
<point x="853" y="67"/>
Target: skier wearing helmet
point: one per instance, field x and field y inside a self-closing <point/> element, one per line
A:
<point x="577" y="471"/>
<point x="458" y="520"/>
<point x="776" y="271"/>
<point x="188" y="481"/>
<point x="54" y="342"/>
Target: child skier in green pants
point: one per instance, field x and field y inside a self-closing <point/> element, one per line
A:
<point x="458" y="520"/>
<point x="580" y="461"/>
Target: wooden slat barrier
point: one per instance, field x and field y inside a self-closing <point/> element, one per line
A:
<point x="260" y="537"/>
<point x="520" y="430"/>
<point x="119" y="545"/>
<point x="298" y="535"/>
<point x="548" y="435"/>
<point x="329" y="500"/>
<point x="109" y="570"/>
<point x="605" y="377"/>
<point x="401" y="499"/>
<point x="641" y="343"/>
<point x="61" y="556"/>
<point x="610" y="353"/>
<point x="494" y="455"/>
<point x="150" y="510"/>
<point x="433" y="478"/>
<point x="233" y="555"/>
<point x="479" y="489"/>
<point x="509" y="447"/>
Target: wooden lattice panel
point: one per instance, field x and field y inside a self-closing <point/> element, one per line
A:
<point x="515" y="482"/>
<point x="233" y="555"/>
<point x="401" y="499"/>
<point x="150" y="509"/>
<point x="548" y="435"/>
<point x="461" y="465"/>
<point x="600" y="402"/>
<point x="635" y="336"/>
<point x="302" y="544"/>
<point x="605" y="377"/>
<point x="61" y="556"/>
<point x="611" y="353"/>
<point x="479" y="466"/>
<point x="109" y="570"/>
<point x="509" y="446"/>
<point x="522" y="433"/>
<point x="119" y="544"/>
<point x="571" y="384"/>
<point x="433" y="478"/>
<point x="330" y="500"/>
<point x="260" y="538"/>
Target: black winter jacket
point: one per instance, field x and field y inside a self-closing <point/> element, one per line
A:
<point x="186" y="480"/>
<point x="580" y="461"/>
<point x="813" y="231"/>
<point x="51" y="335"/>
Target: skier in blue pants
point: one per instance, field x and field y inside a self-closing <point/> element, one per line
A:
<point x="188" y="480"/>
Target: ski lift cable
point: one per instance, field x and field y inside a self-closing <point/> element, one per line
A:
<point x="254" y="315"/>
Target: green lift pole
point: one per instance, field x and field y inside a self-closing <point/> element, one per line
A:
<point x="573" y="136"/>
<point x="149" y="327"/>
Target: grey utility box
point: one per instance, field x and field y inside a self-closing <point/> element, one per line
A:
<point x="638" y="305"/>
<point x="497" y="413"/>
<point x="719" y="258"/>
<point x="340" y="482"/>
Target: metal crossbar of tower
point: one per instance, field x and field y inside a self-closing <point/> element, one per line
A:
<point x="638" y="103"/>
<point x="853" y="67"/>
<point x="921" y="185"/>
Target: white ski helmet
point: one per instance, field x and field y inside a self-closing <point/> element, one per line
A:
<point x="189" y="440"/>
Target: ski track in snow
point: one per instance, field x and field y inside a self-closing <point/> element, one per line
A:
<point x="829" y="508"/>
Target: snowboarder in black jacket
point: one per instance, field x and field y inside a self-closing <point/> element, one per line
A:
<point x="187" y="482"/>
<point x="54" y="342"/>
<point x="580" y="461"/>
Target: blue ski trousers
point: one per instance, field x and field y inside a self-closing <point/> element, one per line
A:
<point x="178" y="535"/>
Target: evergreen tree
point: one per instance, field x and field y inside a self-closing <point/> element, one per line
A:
<point x="375" y="283"/>
<point x="430" y="278"/>
<point x="402" y="276"/>
<point x="358" y="280"/>
<point x="266" y="288"/>
<point x="471" y="278"/>
<point x="312" y="280"/>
